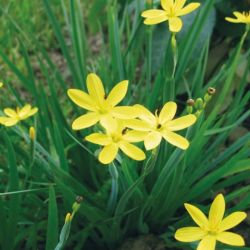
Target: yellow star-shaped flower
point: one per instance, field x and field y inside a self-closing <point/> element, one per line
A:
<point x="14" y="116"/>
<point x="243" y="17"/>
<point x="117" y="137"/>
<point x="98" y="104"/>
<point x="172" y="10"/>
<point x="161" y="126"/>
<point x="212" y="229"/>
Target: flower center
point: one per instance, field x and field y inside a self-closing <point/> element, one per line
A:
<point x="116" y="137"/>
<point x="104" y="108"/>
<point x="212" y="233"/>
<point x="171" y="11"/>
<point x="158" y="126"/>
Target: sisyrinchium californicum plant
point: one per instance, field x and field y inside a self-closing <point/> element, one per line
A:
<point x="132" y="124"/>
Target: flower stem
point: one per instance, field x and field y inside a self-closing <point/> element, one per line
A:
<point x="175" y="59"/>
<point x="114" y="188"/>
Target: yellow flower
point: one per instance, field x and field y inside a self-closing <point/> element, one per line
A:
<point x="240" y="17"/>
<point x="117" y="137"/>
<point x="162" y="125"/>
<point x="1" y="84"/>
<point x="172" y="9"/>
<point x="14" y="116"/>
<point x="99" y="106"/>
<point x="212" y="229"/>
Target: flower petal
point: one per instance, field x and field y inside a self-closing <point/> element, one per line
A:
<point x="179" y="4"/>
<point x="146" y="115"/>
<point x="98" y="138"/>
<point x="166" y="4"/>
<point x="156" y="20"/>
<point x="24" y="111"/>
<point x="108" y="153"/>
<point x="95" y="88"/>
<point x="168" y="112"/>
<point x="197" y="215"/>
<point x="153" y="13"/>
<point x="231" y="239"/>
<point x="181" y="123"/>
<point x="132" y="151"/>
<point x="189" y="234"/>
<point x="175" y="139"/>
<point x="109" y="123"/>
<point x="207" y="243"/>
<point x="232" y="220"/>
<point x="10" y="112"/>
<point x="124" y="112"/>
<point x="85" y="121"/>
<point x="8" y="121"/>
<point x="117" y="93"/>
<point x="81" y="99"/>
<point x="175" y="24"/>
<point x="233" y="20"/>
<point x="31" y="112"/>
<point x="137" y="125"/>
<point x="217" y="210"/>
<point x="134" y="136"/>
<point x="187" y="9"/>
<point x="152" y="140"/>
<point x="239" y="15"/>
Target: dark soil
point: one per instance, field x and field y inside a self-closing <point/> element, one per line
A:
<point x="146" y="242"/>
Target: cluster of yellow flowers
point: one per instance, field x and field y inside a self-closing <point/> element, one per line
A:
<point x="173" y="9"/>
<point x="124" y="125"/>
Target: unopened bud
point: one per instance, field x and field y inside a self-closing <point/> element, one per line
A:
<point x="211" y="91"/>
<point x="68" y="218"/>
<point x="207" y="97"/>
<point x="79" y="199"/>
<point x="190" y="102"/>
<point x="76" y="207"/>
<point x="190" y="109"/>
<point x="199" y="104"/>
<point x="32" y="133"/>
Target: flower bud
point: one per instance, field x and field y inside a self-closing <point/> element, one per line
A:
<point x="211" y="91"/>
<point x="75" y="207"/>
<point x="68" y="218"/>
<point x="190" y="109"/>
<point x="32" y="133"/>
<point x="79" y="199"/>
<point x="190" y="102"/>
<point x="199" y="104"/>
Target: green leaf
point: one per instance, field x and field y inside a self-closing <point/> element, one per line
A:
<point x="52" y="227"/>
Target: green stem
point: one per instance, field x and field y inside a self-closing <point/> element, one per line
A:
<point x="175" y="59"/>
<point x="114" y="188"/>
<point x="149" y="61"/>
<point x="149" y="53"/>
